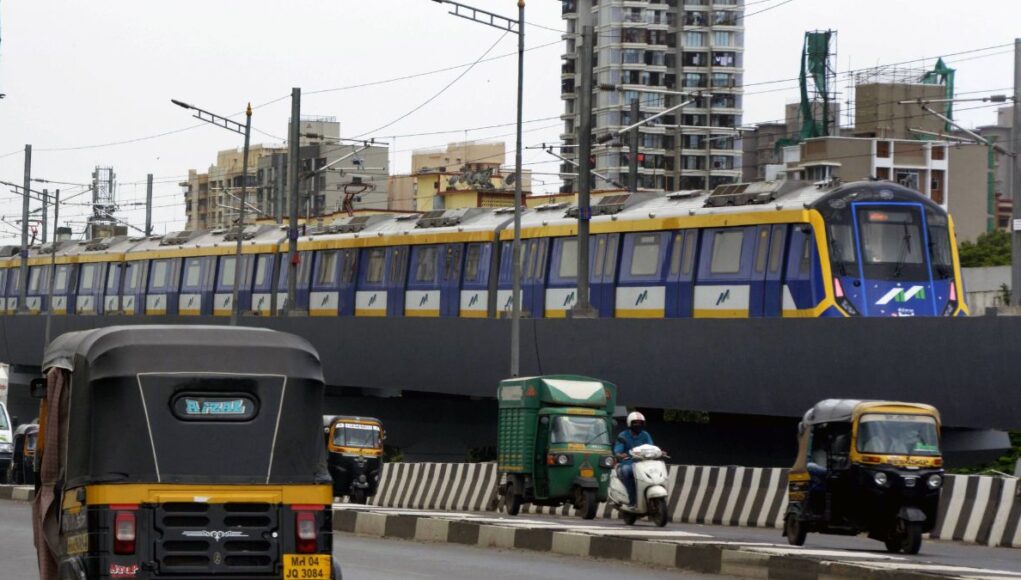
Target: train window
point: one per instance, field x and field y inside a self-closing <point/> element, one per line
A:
<point x="600" y="255"/>
<point x="263" y="264"/>
<point x="533" y="248"/>
<point x="111" y="278"/>
<point x="133" y="276"/>
<point x="88" y="277"/>
<point x="540" y="261"/>
<point x="761" y="249"/>
<point x="227" y="271"/>
<point x="350" y="262"/>
<point x="890" y="237"/>
<point x="569" y="258"/>
<point x="60" y="279"/>
<point x="398" y="264"/>
<point x="776" y="250"/>
<point x="690" y="241"/>
<point x="193" y="271"/>
<point x="806" y="254"/>
<point x="471" y="263"/>
<point x="939" y="251"/>
<point x="726" y="258"/>
<point x="160" y="274"/>
<point x="611" y="258"/>
<point x="327" y="267"/>
<point x="841" y="245"/>
<point x="374" y="269"/>
<point x="675" y="254"/>
<point x="425" y="269"/>
<point x="451" y="260"/>
<point x="645" y="256"/>
<point x="37" y="278"/>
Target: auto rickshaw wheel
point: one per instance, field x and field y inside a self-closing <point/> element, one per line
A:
<point x="514" y="502"/>
<point x="358" y="496"/>
<point x="589" y="504"/>
<point x="795" y="530"/>
<point x="905" y="537"/>
<point x="660" y="515"/>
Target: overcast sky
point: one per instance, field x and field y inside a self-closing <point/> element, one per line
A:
<point x="82" y="75"/>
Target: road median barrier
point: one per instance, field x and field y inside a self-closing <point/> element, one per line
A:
<point x="17" y="492"/>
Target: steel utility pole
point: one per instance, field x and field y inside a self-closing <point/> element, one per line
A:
<point x="294" y="150"/>
<point x="633" y="165"/>
<point x="1015" y="148"/>
<point x="516" y="27"/>
<point x="53" y="261"/>
<point x="148" y="205"/>
<point x="46" y="197"/>
<point x="279" y="170"/>
<point x="23" y="276"/>
<point x="583" y="307"/>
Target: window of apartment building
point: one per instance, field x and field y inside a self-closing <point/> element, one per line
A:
<point x="908" y="178"/>
<point x="883" y="173"/>
<point x="694" y="59"/>
<point x="655" y="58"/>
<point x="936" y="189"/>
<point x="695" y="18"/>
<point x="883" y="149"/>
<point x="723" y="80"/>
<point x="721" y="38"/>
<point x="694" y="80"/>
<point x="695" y="162"/>
<point x="694" y="141"/>
<point x="724" y="101"/>
<point x="939" y="152"/>
<point x="722" y="162"/>
<point x="723" y="120"/>
<point x="724" y="59"/>
<point x="632" y="56"/>
<point x="693" y="120"/>
<point x="723" y="142"/>
<point x="694" y="39"/>
<point x="724" y="18"/>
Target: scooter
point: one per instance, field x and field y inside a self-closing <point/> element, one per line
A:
<point x="650" y="487"/>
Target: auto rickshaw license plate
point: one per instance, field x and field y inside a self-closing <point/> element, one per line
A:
<point x="304" y="566"/>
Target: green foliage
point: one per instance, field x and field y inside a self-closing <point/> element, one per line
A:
<point x="392" y="454"/>
<point x="990" y="249"/>
<point x="481" y="454"/>
<point x="681" y="416"/>
<point x="1004" y="464"/>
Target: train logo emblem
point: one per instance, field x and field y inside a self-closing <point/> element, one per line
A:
<point x="423" y="301"/>
<point x="325" y="300"/>
<point x="474" y="300"/>
<point x="372" y="300"/>
<point x="901" y="295"/>
<point x="724" y="296"/>
<point x="569" y="300"/>
<point x="642" y="297"/>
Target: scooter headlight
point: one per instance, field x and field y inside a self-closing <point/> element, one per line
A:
<point x="935" y="480"/>
<point x="880" y="479"/>
<point x="606" y="462"/>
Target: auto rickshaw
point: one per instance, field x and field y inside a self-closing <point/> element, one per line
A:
<point x="355" y="446"/>
<point x="21" y="471"/>
<point x="553" y="441"/>
<point x="182" y="452"/>
<point x="869" y="467"/>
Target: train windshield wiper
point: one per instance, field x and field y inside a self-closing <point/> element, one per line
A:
<point x="904" y="251"/>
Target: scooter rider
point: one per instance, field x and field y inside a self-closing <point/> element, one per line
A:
<point x="634" y="436"/>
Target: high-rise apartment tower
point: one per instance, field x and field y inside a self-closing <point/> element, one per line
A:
<point x="689" y="46"/>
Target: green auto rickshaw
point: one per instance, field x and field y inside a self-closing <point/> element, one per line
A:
<point x="554" y="442"/>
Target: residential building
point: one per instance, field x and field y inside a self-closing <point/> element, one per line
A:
<point x="695" y="46"/>
<point x="210" y="199"/>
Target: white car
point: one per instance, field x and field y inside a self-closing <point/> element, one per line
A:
<point x="6" y="442"/>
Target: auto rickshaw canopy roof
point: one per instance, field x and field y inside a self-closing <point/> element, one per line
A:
<point x="557" y="390"/>
<point x="847" y="410"/>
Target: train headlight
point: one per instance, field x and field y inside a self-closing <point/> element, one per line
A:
<point x="935" y="480"/>
<point x="880" y="479"/>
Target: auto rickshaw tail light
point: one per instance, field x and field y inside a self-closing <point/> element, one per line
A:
<point x="124" y="532"/>
<point x="305" y="532"/>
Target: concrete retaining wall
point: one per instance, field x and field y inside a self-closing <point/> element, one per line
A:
<point x="978" y="509"/>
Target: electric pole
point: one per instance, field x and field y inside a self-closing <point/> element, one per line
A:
<point x="294" y="150"/>
<point x="280" y="170"/>
<point x="23" y="276"/>
<point x="633" y="165"/>
<point x="148" y="205"/>
<point x="583" y="308"/>
<point x="46" y="197"/>
<point x="1015" y="148"/>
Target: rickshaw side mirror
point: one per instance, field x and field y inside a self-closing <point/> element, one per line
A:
<point x="38" y="388"/>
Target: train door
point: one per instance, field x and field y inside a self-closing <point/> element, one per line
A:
<point x="802" y="288"/>
<point x="348" y="268"/>
<point x="534" y="277"/>
<point x="422" y="298"/>
<point x="680" y="285"/>
<point x="262" y="286"/>
<point x="13" y="288"/>
<point x="641" y="291"/>
<point x="371" y="295"/>
<point x="91" y="278"/>
<point x="195" y="297"/>
<point x="767" y="276"/>
<point x="301" y="292"/>
<point x="396" y="279"/>
<point x="65" y="283"/>
<point x="163" y="287"/>
<point x="603" y="273"/>
<point x="452" y="260"/>
<point x="561" y="293"/>
<point x="325" y="297"/>
<point x="38" y="288"/>
<point x="3" y="290"/>
<point x="111" y="303"/>
<point x="223" y="285"/>
<point x="504" y="287"/>
<point x="722" y="289"/>
<point x="133" y="288"/>
<point x="474" y="293"/>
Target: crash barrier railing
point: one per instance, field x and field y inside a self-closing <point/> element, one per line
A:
<point x="978" y="509"/>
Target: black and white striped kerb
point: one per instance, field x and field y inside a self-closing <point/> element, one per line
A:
<point x="437" y="486"/>
<point x="980" y="509"/>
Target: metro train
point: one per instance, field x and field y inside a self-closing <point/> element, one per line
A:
<point x="764" y="249"/>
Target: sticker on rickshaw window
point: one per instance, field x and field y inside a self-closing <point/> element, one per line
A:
<point x="361" y="426"/>
<point x="229" y="407"/>
<point x="302" y="566"/>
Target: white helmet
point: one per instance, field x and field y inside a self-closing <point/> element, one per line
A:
<point x="635" y="416"/>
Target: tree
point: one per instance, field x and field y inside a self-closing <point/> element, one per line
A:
<point x="990" y="249"/>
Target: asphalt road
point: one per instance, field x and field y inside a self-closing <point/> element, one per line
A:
<point x="373" y="559"/>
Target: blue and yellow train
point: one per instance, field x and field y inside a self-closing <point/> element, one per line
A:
<point x="768" y="249"/>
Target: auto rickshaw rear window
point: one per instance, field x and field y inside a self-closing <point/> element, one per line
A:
<point x="890" y="434"/>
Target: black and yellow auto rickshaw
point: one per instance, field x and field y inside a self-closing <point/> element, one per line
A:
<point x="869" y="467"/>
<point x="21" y="471"/>
<point x="182" y="452"/>
<point x="355" y="446"/>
